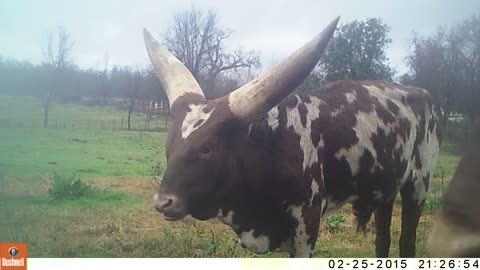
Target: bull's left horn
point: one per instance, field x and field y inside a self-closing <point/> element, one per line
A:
<point x="260" y="95"/>
<point x="174" y="76"/>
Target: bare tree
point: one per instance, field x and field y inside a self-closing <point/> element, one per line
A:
<point x="57" y="59"/>
<point x="104" y="79"/>
<point x="198" y="41"/>
<point x="134" y="84"/>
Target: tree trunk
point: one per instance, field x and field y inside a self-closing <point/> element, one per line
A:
<point x="45" y="118"/>
<point x="129" y="126"/>
<point x="131" y="106"/>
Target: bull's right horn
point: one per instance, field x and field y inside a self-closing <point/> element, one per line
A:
<point x="260" y="95"/>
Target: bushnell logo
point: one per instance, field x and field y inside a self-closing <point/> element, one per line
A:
<point x="13" y="256"/>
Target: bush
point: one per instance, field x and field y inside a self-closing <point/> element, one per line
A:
<point x="69" y="188"/>
<point x="432" y="205"/>
<point x="336" y="222"/>
<point x="157" y="169"/>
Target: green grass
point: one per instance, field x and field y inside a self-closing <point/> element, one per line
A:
<point x="448" y="159"/>
<point x="28" y="109"/>
<point x="26" y="151"/>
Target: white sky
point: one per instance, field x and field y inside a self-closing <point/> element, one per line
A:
<point x="274" y="28"/>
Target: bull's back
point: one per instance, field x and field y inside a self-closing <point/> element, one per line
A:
<point x="379" y="136"/>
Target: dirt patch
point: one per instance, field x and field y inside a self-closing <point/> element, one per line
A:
<point x="21" y="186"/>
<point x="143" y="186"/>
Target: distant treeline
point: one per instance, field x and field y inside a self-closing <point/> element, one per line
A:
<point x="26" y="79"/>
<point x="447" y="64"/>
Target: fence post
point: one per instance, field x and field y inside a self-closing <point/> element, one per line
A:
<point x="121" y="125"/>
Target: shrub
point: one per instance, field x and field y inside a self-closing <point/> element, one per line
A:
<point x="432" y="205"/>
<point x="157" y="169"/>
<point x="69" y="188"/>
<point x="336" y="222"/>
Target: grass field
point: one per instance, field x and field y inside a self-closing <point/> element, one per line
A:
<point x="28" y="112"/>
<point x="118" y="219"/>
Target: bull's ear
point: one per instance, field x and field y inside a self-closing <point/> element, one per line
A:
<point x="260" y="95"/>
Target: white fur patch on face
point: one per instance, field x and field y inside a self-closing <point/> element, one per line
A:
<point x="310" y="151"/>
<point x="259" y="244"/>
<point x="194" y="119"/>
<point x="272" y="118"/>
<point x="300" y="244"/>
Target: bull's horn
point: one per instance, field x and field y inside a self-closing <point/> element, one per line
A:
<point x="260" y="95"/>
<point x="175" y="78"/>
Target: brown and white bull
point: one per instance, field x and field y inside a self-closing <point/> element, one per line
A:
<point x="272" y="165"/>
<point x="456" y="232"/>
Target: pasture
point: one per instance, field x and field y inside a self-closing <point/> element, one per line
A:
<point x="123" y="167"/>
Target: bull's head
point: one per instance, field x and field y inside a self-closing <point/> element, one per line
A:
<point x="208" y="140"/>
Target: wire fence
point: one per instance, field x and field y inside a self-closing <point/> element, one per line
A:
<point x="453" y="130"/>
<point x="153" y="124"/>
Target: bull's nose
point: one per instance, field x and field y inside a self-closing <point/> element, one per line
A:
<point x="170" y="206"/>
<point x="162" y="203"/>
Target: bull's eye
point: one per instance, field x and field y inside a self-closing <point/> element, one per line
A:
<point x="205" y="150"/>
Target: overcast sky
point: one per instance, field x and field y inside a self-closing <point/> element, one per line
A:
<point x="274" y="28"/>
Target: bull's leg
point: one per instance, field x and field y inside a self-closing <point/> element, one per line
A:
<point x="306" y="232"/>
<point x="383" y="220"/>
<point x="412" y="205"/>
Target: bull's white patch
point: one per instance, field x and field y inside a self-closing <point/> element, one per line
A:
<point x="300" y="244"/>
<point x="337" y="111"/>
<point x="315" y="190"/>
<point x="227" y="219"/>
<point x="272" y="118"/>
<point x="323" y="206"/>
<point x="258" y="244"/>
<point x="315" y="187"/>
<point x="377" y="195"/>
<point x="366" y="126"/>
<point x="310" y="151"/>
<point x="351" y="97"/>
<point x="428" y="149"/>
<point x="194" y="119"/>
<point x="334" y="205"/>
<point x="285" y="246"/>
<point x="155" y="196"/>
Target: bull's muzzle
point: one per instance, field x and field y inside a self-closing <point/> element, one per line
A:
<point x="170" y="206"/>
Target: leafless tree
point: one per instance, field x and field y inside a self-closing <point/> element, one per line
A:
<point x="198" y="41"/>
<point x="134" y="85"/>
<point x="104" y="79"/>
<point x="57" y="59"/>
